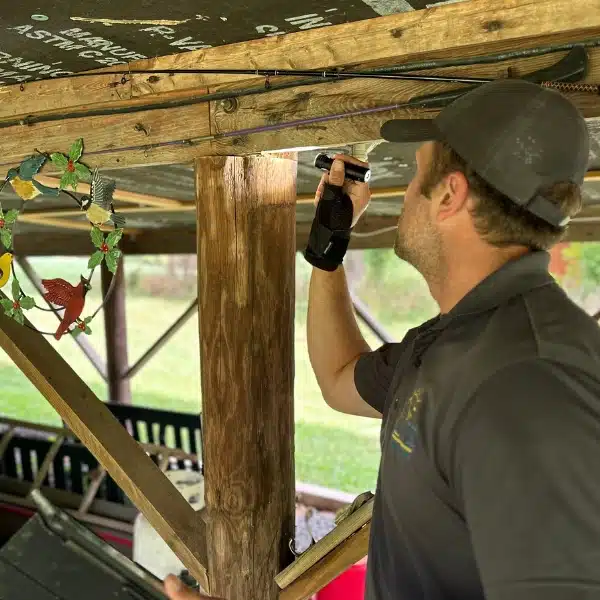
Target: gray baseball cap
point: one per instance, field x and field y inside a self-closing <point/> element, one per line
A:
<point x="518" y="136"/>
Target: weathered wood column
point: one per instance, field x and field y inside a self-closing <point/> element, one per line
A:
<point x="246" y="288"/>
<point x="115" y="327"/>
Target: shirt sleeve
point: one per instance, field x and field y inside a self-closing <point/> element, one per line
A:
<point x="526" y="468"/>
<point x="373" y="374"/>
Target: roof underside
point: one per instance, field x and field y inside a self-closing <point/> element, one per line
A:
<point x="39" y="38"/>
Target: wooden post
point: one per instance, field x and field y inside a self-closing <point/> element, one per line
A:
<point x="115" y="326"/>
<point x="246" y="288"/>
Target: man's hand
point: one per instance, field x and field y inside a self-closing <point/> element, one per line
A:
<point x="176" y="590"/>
<point x="358" y="192"/>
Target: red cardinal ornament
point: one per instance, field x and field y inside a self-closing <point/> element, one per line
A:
<point x="71" y="298"/>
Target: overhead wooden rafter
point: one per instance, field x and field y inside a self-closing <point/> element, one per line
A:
<point x="61" y="218"/>
<point x="156" y="135"/>
<point x="373" y="231"/>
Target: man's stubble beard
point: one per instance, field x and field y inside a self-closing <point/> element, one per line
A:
<point x="421" y="247"/>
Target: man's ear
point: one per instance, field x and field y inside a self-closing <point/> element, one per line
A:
<point x="453" y="195"/>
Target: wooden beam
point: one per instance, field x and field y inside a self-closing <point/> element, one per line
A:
<point x="91" y="421"/>
<point x="7" y="436"/>
<point x="163" y="339"/>
<point x="246" y="290"/>
<point x="53" y="214"/>
<point x="379" y="232"/>
<point x="440" y="31"/>
<point x="169" y="124"/>
<point x="348" y="553"/>
<point x="56" y="242"/>
<point x="43" y="470"/>
<point x="115" y="328"/>
<point x="122" y="195"/>
<point x="96" y="481"/>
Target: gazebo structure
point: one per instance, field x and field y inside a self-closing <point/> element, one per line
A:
<point x="220" y="165"/>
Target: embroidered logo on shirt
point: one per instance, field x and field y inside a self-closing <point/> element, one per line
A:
<point x="405" y="430"/>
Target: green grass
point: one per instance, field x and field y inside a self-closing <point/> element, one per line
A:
<point x="332" y="449"/>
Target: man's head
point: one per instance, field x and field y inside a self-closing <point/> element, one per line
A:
<point x="499" y="168"/>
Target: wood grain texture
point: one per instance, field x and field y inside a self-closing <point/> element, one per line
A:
<point x="246" y="290"/>
<point x="347" y="527"/>
<point x="329" y="567"/>
<point x="89" y="419"/>
<point x="346" y="96"/>
<point x="451" y="30"/>
<point x="182" y="240"/>
<point x="468" y="27"/>
<point x="115" y="333"/>
<point x="106" y="138"/>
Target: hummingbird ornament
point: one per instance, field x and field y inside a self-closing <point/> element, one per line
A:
<point x="23" y="182"/>
<point x="70" y="297"/>
<point x="98" y="206"/>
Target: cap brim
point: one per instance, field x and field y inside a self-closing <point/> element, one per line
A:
<point x="410" y="130"/>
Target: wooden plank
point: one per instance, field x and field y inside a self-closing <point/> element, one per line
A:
<point x="89" y="419"/>
<point x="115" y="329"/>
<point x="246" y="255"/>
<point x="119" y="194"/>
<point x="61" y="242"/>
<point x="322" y="498"/>
<point x="176" y="135"/>
<point x="315" y="101"/>
<point x="163" y="339"/>
<point x="343" y="530"/>
<point x="348" y="553"/>
<point x="7" y="436"/>
<point x="156" y="136"/>
<point x="466" y="28"/>
<point x="97" y="479"/>
<point x="108" y="139"/>
<point x="182" y="240"/>
<point x="43" y="470"/>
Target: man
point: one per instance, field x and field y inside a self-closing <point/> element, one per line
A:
<point x="490" y="436"/>
<point x="491" y="411"/>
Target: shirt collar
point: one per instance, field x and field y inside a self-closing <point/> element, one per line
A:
<point x="514" y="278"/>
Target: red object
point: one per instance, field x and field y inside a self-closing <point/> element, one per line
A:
<point x="72" y="298"/>
<point x="350" y="585"/>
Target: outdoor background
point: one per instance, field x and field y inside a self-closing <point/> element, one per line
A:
<point x="332" y="450"/>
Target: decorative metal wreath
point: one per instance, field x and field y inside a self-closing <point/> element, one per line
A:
<point x="98" y="207"/>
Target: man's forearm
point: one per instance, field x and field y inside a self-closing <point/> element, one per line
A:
<point x="333" y="336"/>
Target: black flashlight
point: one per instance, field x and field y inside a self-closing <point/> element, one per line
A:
<point x="353" y="172"/>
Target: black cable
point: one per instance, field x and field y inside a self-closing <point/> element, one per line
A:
<point x="210" y="97"/>
<point x="393" y="72"/>
<point x="384" y="74"/>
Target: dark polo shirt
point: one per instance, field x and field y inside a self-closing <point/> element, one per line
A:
<point x="489" y="482"/>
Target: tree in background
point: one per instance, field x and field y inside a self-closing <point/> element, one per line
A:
<point x="576" y="266"/>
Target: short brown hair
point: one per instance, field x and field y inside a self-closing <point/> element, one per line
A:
<point x="498" y="220"/>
